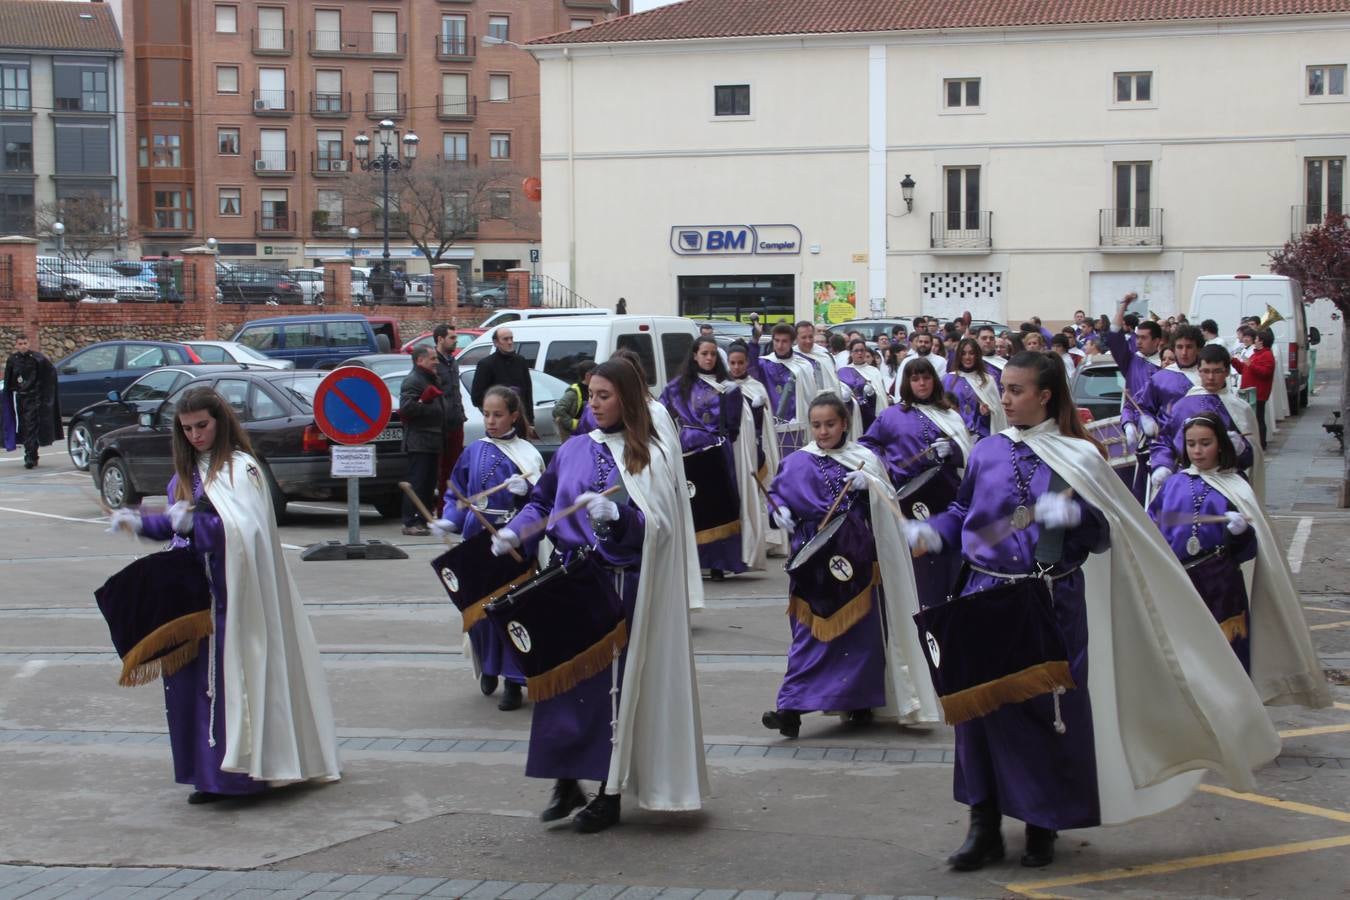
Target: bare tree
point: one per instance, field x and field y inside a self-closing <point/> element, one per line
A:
<point x="93" y="223"/>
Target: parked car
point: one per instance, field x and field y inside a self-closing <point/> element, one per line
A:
<point x="235" y="352"/>
<point x="58" y="287"/>
<point x="238" y="284"/>
<point x="318" y="341"/>
<point x="871" y="328"/>
<point x="525" y="315"/>
<point x="277" y="412"/>
<point x="87" y="375"/>
<point x="119" y="409"/>
<point x="489" y="296"/>
<point x="463" y="338"/>
<point x="1098" y="388"/>
<point x="382" y="364"/>
<point x="313" y="284"/>
<point x="98" y="287"/>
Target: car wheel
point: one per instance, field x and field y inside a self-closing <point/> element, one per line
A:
<point x="390" y="506"/>
<point x="1303" y="398"/>
<point x="80" y="444"/>
<point x="114" y="484"/>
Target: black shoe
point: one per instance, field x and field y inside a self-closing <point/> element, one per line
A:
<point x="196" y="798"/>
<point x="487" y="684"/>
<point x="567" y="796"/>
<point x="30" y="463"/>
<point x="786" y="722"/>
<point x="984" y="841"/>
<point x="599" y="814"/>
<point x="510" y="697"/>
<point x="860" y="717"/>
<point x="716" y="575"/>
<point x="1040" y="850"/>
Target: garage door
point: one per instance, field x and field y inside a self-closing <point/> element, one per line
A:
<point x="948" y="295"/>
<point x="1156" y="290"/>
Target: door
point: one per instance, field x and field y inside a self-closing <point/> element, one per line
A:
<point x="276" y="214"/>
<point x="384" y="93"/>
<point x="384" y="32"/>
<point x="87" y="377"/>
<point x="455" y="97"/>
<point x="454" y="35"/>
<point x="948" y="295"/>
<point x="327" y="30"/>
<point x="963" y="198"/>
<point x="303" y="342"/>
<point x="272" y="148"/>
<point x="271" y="28"/>
<point x="272" y="88"/>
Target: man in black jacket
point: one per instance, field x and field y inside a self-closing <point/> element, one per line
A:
<point x="448" y="371"/>
<point x="31" y="411"/>
<point x="422" y="410"/>
<point x="506" y="367"/>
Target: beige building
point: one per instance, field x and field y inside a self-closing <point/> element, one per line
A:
<point x="712" y="159"/>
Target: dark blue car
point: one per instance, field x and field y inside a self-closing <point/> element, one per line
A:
<point x="87" y="375"/>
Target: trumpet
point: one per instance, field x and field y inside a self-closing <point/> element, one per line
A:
<point x="1153" y="314"/>
<point x="1272" y="316"/>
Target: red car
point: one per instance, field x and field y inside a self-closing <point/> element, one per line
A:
<point x="463" y="338"/>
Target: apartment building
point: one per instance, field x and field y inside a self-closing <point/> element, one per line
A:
<point x="263" y="161"/>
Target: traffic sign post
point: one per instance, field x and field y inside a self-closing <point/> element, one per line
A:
<point x="351" y="407"/>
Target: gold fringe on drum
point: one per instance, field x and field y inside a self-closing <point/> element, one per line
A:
<point x="474" y="613"/>
<point x="1235" y="627"/>
<point x="982" y="699"/>
<point x="709" y="535"/>
<point x="166" y="649"/>
<point x="827" y="628"/>
<point x="586" y="664"/>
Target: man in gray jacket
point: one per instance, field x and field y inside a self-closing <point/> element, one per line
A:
<point x="448" y="370"/>
<point x="422" y="410"/>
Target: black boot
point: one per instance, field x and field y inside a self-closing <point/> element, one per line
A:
<point x="1040" y="850"/>
<point x="860" y="717"/>
<point x="601" y="813"/>
<point x="786" y="722"/>
<point x="510" y="697"/>
<point x="567" y="796"/>
<point x="984" y="840"/>
<point x="197" y="798"/>
<point x="716" y="575"/>
<point x="487" y="684"/>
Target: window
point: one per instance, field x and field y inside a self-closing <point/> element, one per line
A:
<point x="346" y="334"/>
<point x="499" y="146"/>
<point x="259" y="337"/>
<point x="173" y="210"/>
<point x="961" y="93"/>
<point x="16" y="208"/>
<point x="454" y="35"/>
<point x="144" y="356"/>
<point x="1326" y="81"/>
<point x="16" y="146"/>
<point x="95" y="359"/>
<point x="80" y="88"/>
<point x="641" y="344"/>
<point x="158" y="385"/>
<point x="499" y="27"/>
<point x="83" y="149"/>
<point x="272" y="88"/>
<point x="499" y="88"/>
<point x="14" y="87"/>
<point x="168" y="151"/>
<point x="276" y="212"/>
<point x="500" y="202"/>
<point x="234" y="391"/>
<point x="328" y="149"/>
<point x="1134" y="87"/>
<point x="302" y="334"/>
<point x="231" y="201"/>
<point x="328" y="211"/>
<point x="675" y="348"/>
<point x="384" y="32"/>
<point x="457" y="216"/>
<point x="1324" y="180"/>
<point x="561" y="358"/>
<point x="455" y="147"/>
<point x="272" y="151"/>
<point x="731" y="100"/>
<point x="454" y="94"/>
<point x="576" y="24"/>
<point x="227" y="141"/>
<point x="328" y="91"/>
<point x="384" y="93"/>
<point x="963" y="197"/>
<point x="227" y="19"/>
<point x="1133" y="194"/>
<point x="227" y="79"/>
<point x="263" y="406"/>
<point x="271" y="28"/>
<point x="327" y="30"/>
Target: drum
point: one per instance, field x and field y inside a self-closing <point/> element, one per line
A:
<point x="158" y="609"/>
<point x="992" y="648"/>
<point x="713" y="496"/>
<point x="1111" y="433"/>
<point x="563" y="626"/>
<point x="926" y="494"/>
<point x="831" y="578"/>
<point x="473" y="577"/>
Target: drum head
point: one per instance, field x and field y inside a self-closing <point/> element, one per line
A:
<point x="821" y="539"/>
<point x="917" y="483"/>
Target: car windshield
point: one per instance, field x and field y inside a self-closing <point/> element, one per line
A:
<point x="1103" y="383"/>
<point x="301" y="387"/>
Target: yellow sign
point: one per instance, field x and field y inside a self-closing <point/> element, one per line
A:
<point x="860" y="257"/>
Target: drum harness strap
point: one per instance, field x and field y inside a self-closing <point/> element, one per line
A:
<point x="1213" y="554"/>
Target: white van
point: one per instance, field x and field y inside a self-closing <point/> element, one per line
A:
<point x="555" y="346"/>
<point x="543" y="312"/>
<point x="1228" y="298"/>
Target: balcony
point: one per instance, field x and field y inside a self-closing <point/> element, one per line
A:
<point x="16" y="100"/>
<point x="324" y="165"/>
<point x="280" y="223"/>
<point x="461" y="159"/>
<point x="273" y="41"/>
<point x="386" y="106"/>
<point x="274" y="163"/>
<point x="274" y="103"/>
<point x="322" y="223"/>
<point x="456" y="47"/>
<point x="1124" y="230"/>
<point x="456" y="108"/>
<point x="961" y="231"/>
<point x="330" y="106"/>
<point x="358" y="44"/>
<point x="1303" y="218"/>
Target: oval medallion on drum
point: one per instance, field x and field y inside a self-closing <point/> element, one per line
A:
<point x="448" y="576"/>
<point x="520" y="638"/>
<point x="840" y="568"/>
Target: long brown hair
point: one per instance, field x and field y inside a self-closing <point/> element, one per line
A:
<point x="1050" y="376"/>
<point x="638" y="431"/>
<point x="979" y="358"/>
<point x="921" y="366"/>
<point x="230" y="436"/>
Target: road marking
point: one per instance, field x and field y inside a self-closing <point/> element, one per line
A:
<point x="28" y="512"/>
<point x="31" y="668"/>
<point x="1299" y="544"/>
<point x="1345" y="624"/>
<point x="1343" y="612"/>
<point x="1341" y="705"/>
<point x="1308" y="809"/>
<point x="1320" y="729"/>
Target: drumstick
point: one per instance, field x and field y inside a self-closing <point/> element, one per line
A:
<point x="417" y="502"/>
<point x="829" y="513"/>
<point x="474" y="498"/>
<point x="1181" y="518"/>
<point x="483" y="520"/>
<point x="564" y="513"/>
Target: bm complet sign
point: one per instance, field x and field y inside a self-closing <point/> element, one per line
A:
<point x="736" y="240"/>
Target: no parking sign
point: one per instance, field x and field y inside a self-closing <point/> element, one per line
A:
<point x="352" y="405"/>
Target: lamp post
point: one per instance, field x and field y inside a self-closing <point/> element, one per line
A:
<point x="385" y="163"/>
<point x="352" y="234"/>
<point x="212" y="244"/>
<point x="907" y="193"/>
<point x="59" y="229"/>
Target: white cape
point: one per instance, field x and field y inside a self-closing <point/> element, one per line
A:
<point x="522" y="453"/>
<point x="953" y="426"/>
<point x="753" y="389"/>
<point x="1169" y="697"/>
<point x="669" y="435"/>
<point x="1285" y="667"/>
<point x="910" y="695"/>
<point x="872" y="375"/>
<point x="658" y="738"/>
<point x="278" y="718"/>
<point x="1244" y="417"/>
<point x="989" y="396"/>
<point x="754" y="519"/>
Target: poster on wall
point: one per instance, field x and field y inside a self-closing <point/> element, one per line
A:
<point x="1156" y="290"/>
<point x="834" y="301"/>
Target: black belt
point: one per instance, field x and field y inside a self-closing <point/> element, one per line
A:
<point x="1213" y="554"/>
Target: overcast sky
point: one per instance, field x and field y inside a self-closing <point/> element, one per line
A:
<point x="642" y="5"/>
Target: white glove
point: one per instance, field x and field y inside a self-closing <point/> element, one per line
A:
<point x="518" y="485"/>
<point x="1149" y="425"/>
<point x="1160" y="474"/>
<point x="782" y="517"/>
<point x="1131" y="435"/>
<point x="180" y="517"/>
<point x="442" y="527"/>
<point x="1237" y="522"/>
<point x="599" y="508"/>
<point x="504" y="541"/>
<point x="124" y="519"/>
<point x="942" y="448"/>
<point x="856" y="480"/>
<point x="922" y="536"/>
<point x="1058" y="511"/>
<point x="757" y="401"/>
<point x="869" y="391"/>
<point x="1239" y="443"/>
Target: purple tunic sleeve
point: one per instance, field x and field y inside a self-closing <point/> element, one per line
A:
<point x="1174" y="507"/>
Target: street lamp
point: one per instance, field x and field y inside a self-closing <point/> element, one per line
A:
<point x="59" y="229"/>
<point x="212" y="243"/>
<point x="352" y="234"/>
<point x="907" y="193"/>
<point x="385" y="163"/>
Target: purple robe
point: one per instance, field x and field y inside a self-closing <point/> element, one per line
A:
<point x="967" y="403"/>
<point x="1013" y="757"/>
<point x="1162" y="392"/>
<point x="1137" y="372"/>
<point x="186" y="704"/>
<point x="847" y="673"/>
<point x="852" y="379"/>
<point x="585" y="422"/>
<point x="480" y="466"/>
<point x="1168" y="448"/>
<point x="705" y="417"/>
<point x="1216" y="576"/>
<point x="997" y="373"/>
<point x="570" y="733"/>
<point x="782" y="386"/>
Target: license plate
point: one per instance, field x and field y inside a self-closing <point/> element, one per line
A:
<point x="394" y="433"/>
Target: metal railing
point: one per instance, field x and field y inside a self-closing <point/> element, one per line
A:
<point x="547" y="292"/>
<point x="466" y="159"/>
<point x="274" y="162"/>
<point x="1122" y="227"/>
<point x="1302" y="218"/>
<point x="338" y="105"/>
<point x="273" y="41"/>
<point x="66" y="278"/>
<point x="386" y="106"/>
<point x="321" y="222"/>
<point x="324" y="165"/>
<point x="274" y="103"/>
<point x="265" y="223"/>
<point x="383" y="44"/>
<point x="456" y="46"/>
<point x="961" y="229"/>
<point x="256" y="285"/>
<point x="452" y="107"/>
